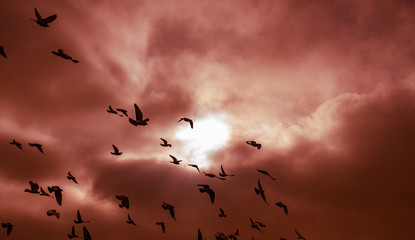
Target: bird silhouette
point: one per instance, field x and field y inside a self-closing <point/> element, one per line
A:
<point x="123" y="111"/>
<point x="237" y="232"/>
<point x="260" y="224"/>
<point x="259" y="191"/>
<point x="254" y="144"/>
<point x="138" y="117"/>
<point x="187" y="120"/>
<point x="19" y="145"/>
<point x="232" y="236"/>
<point x="175" y="161"/>
<point x="116" y="151"/>
<point x="130" y="221"/>
<point x="265" y="173"/>
<point x="163" y="226"/>
<point x="72" y="234"/>
<point x="195" y="166"/>
<point x="79" y="218"/>
<point x="43" y="193"/>
<point x="110" y="110"/>
<point x="63" y="55"/>
<point x="222" y="213"/>
<point x="199" y="235"/>
<point x="34" y="188"/>
<point x="299" y="235"/>
<point x="204" y="188"/>
<point x="58" y="193"/>
<point x="221" y="236"/>
<point x="53" y="212"/>
<point x="169" y="207"/>
<point x="164" y="144"/>
<point x="87" y="236"/>
<point x="223" y="174"/>
<point x="38" y="146"/>
<point x="254" y="225"/>
<point x="70" y="177"/>
<point x="2" y="52"/>
<point x="44" y="21"/>
<point x="8" y="226"/>
<point x="124" y="201"/>
<point x="282" y="205"/>
<point x="211" y="175"/>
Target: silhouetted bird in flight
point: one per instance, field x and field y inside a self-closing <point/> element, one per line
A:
<point x="169" y="207"/>
<point x="38" y="146"/>
<point x="211" y="175"/>
<point x="53" y="212"/>
<point x="58" y="193"/>
<point x="8" y="226"/>
<point x="63" y="55"/>
<point x="175" y="161"/>
<point x="70" y="177"/>
<point x="265" y="173"/>
<point x="79" y="218"/>
<point x="204" y="188"/>
<point x="72" y="234"/>
<point x="187" y="120"/>
<point x="164" y="144"/>
<point x="254" y="144"/>
<point x="221" y="236"/>
<point x="222" y="213"/>
<point x="195" y="166"/>
<point x="138" y="117"/>
<point x="116" y="151"/>
<point x="130" y="221"/>
<point x="259" y="191"/>
<point x="124" y="201"/>
<point x="43" y="193"/>
<point x="19" y="145"/>
<point x="87" y="236"/>
<point x="260" y="224"/>
<point x="223" y="174"/>
<point x="299" y="235"/>
<point x="2" y="52"/>
<point x="44" y="21"/>
<point x="123" y="111"/>
<point x="254" y="225"/>
<point x="163" y="226"/>
<point x="232" y="236"/>
<point x="110" y="110"/>
<point x="34" y="188"/>
<point x="282" y="205"/>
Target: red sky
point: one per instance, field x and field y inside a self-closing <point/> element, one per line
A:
<point x="327" y="87"/>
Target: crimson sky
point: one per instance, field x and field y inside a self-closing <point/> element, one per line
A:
<point x="326" y="86"/>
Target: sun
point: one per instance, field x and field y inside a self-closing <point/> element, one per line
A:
<point x="210" y="133"/>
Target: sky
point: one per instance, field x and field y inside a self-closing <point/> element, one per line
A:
<point x="327" y="88"/>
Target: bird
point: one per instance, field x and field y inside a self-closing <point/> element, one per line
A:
<point x="72" y="234"/>
<point x="130" y="221"/>
<point x="58" y="193"/>
<point x="8" y="226"/>
<point x="223" y="174"/>
<point x="124" y="201"/>
<point x="163" y="226"/>
<point x="260" y="224"/>
<point x="70" y="177"/>
<point x="43" y="193"/>
<point x="232" y="236"/>
<point x="282" y="205"/>
<point x="221" y="236"/>
<point x="204" y="188"/>
<point x="199" y="235"/>
<point x="63" y="55"/>
<point x="237" y="232"/>
<point x="19" y="145"/>
<point x="254" y="144"/>
<point x="34" y="188"/>
<point x="38" y="146"/>
<point x="254" y="225"/>
<point x="169" y="207"/>
<point x="79" y="218"/>
<point x="138" y="117"/>
<point x="187" y="120"/>
<point x="222" y="213"/>
<point x="164" y="144"/>
<point x="299" y="235"/>
<point x="259" y="191"/>
<point x="53" y="212"/>
<point x="211" y="175"/>
<point x="175" y="161"/>
<point x="116" y="151"/>
<point x="2" y="52"/>
<point x="87" y="236"/>
<point x="123" y="111"/>
<point x="265" y="173"/>
<point x="110" y="110"/>
<point x="195" y="166"/>
<point x="44" y="21"/>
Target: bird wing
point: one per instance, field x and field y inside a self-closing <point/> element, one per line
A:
<point x="78" y="215"/>
<point x="285" y="209"/>
<point x="73" y="230"/>
<point x="171" y="210"/>
<point x="129" y="218"/>
<point x="191" y="123"/>
<point x="138" y="113"/>
<point x="2" y="52"/>
<point x="50" y="18"/>
<point x="87" y="236"/>
<point x="58" y="196"/>
<point x="38" y="15"/>
<point x="9" y="229"/>
<point x="34" y="186"/>
<point x="223" y="171"/>
<point x="115" y="149"/>
<point x="174" y="159"/>
<point x="199" y="235"/>
<point x="164" y="140"/>
<point x="212" y="196"/>
<point x="259" y="186"/>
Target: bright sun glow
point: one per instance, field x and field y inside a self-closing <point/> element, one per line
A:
<point x="209" y="134"/>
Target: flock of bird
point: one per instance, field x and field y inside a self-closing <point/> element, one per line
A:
<point x="138" y="120"/>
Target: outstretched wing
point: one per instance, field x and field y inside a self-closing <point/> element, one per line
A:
<point x="2" y="52"/>
<point x="50" y="18"/>
<point x="164" y="140"/>
<point x="138" y="113"/>
<point x="38" y="15"/>
<point x="87" y="236"/>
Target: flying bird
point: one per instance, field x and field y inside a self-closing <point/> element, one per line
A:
<point x="44" y="21"/>
<point x="53" y="212"/>
<point x="175" y="161"/>
<point x="221" y="236"/>
<point x="116" y="151"/>
<point x="259" y="191"/>
<point x="222" y="213"/>
<point x="63" y="55"/>
<point x="2" y="52"/>
<point x="38" y="146"/>
<point x="130" y="221"/>
<point x="299" y="235"/>
<point x="282" y="205"/>
<point x="211" y="175"/>
<point x="43" y="193"/>
<point x="195" y="166"/>
<point x="223" y="174"/>
<point x="110" y="110"/>
<point x="34" y="188"/>
<point x="8" y="226"/>
<point x="169" y="207"/>
<point x="58" y="193"/>
<point x="72" y="234"/>
<point x="163" y="226"/>
<point x="254" y="144"/>
<point x="164" y="144"/>
<point x="254" y="225"/>
<point x="87" y="236"/>
<point x="260" y="224"/>
<point x="187" y="120"/>
<point x="124" y="201"/>
<point x="70" y="177"/>
<point x="123" y="111"/>
<point x="19" y="145"/>
<point x="79" y="218"/>
<point x="204" y="188"/>
<point x="265" y="173"/>
<point x="138" y="117"/>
